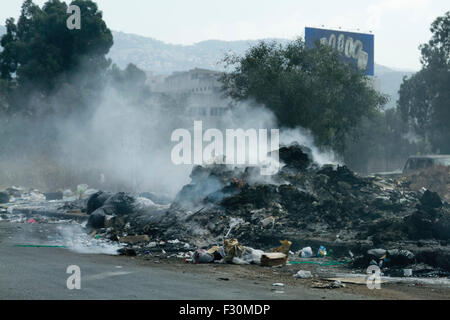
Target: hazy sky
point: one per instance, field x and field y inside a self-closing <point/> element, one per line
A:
<point x="400" y="26"/>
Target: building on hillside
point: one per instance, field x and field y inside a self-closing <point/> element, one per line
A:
<point x="197" y="81"/>
<point x="199" y="88"/>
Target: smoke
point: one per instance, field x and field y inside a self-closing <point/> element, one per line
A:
<point x="305" y="138"/>
<point x="128" y="144"/>
<point x="125" y="143"/>
<point x="75" y="238"/>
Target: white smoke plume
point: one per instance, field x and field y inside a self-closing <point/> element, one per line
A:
<point x="126" y="145"/>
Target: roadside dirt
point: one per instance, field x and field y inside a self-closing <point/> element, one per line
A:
<point x="227" y="272"/>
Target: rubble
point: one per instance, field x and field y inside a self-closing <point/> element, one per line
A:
<point x="161" y="199"/>
<point x="127" y="252"/>
<point x="14" y="192"/>
<point x="49" y="196"/>
<point x="96" y="200"/>
<point x="4" y="197"/>
<point x="202" y="256"/>
<point x="397" y="258"/>
<point x="302" y="274"/>
<point x="135" y="239"/>
<point x="436" y="178"/>
<point x="327" y="285"/>
<point x="296" y="157"/>
<point x="313" y="206"/>
<point x="328" y="210"/>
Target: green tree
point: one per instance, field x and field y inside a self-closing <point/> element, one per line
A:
<point x="383" y="144"/>
<point x="4" y="105"/>
<point x="131" y="82"/>
<point x="425" y="97"/>
<point x="304" y="87"/>
<point x="41" y="55"/>
<point x="130" y="78"/>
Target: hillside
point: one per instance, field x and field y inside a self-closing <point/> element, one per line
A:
<point x="163" y="58"/>
<point x="390" y="81"/>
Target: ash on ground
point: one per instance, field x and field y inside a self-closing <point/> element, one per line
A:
<point x="361" y="221"/>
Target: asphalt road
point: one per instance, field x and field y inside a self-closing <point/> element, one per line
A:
<point x="40" y="273"/>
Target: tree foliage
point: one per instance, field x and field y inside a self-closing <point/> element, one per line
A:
<point x="40" y="54"/>
<point x="383" y="143"/>
<point x="304" y="87"/>
<point x="425" y="97"/>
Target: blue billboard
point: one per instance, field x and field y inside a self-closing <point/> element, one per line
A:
<point x="355" y="48"/>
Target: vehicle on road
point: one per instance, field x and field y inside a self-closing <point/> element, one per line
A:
<point x="417" y="163"/>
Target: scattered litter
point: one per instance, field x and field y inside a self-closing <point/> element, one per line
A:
<point x="232" y="249"/>
<point x="202" y="256"/>
<point x="127" y="252"/>
<point x="306" y="252"/>
<point x="285" y="246"/>
<point x="252" y="255"/>
<point x="379" y="211"/>
<point x="303" y="274"/>
<point x="240" y="261"/>
<point x="323" y="264"/>
<point x="4" y="197"/>
<point x="327" y="285"/>
<point x="52" y="196"/>
<point x="134" y="239"/>
<point x="273" y="259"/>
<point x="278" y="284"/>
<point x="277" y="291"/>
<point x="233" y="223"/>
<point x="407" y="272"/>
<point x="81" y="189"/>
<point x="322" y="252"/>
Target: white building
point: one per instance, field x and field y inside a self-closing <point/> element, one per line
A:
<point x="199" y="87"/>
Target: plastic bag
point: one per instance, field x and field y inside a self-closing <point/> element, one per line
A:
<point x="306" y="252"/>
<point x="322" y="252"/>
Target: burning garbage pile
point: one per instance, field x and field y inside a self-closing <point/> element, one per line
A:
<point x="305" y="203"/>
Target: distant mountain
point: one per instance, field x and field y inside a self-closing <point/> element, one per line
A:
<point x="390" y="81"/>
<point x="163" y="58"/>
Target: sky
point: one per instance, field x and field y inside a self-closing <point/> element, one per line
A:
<point x="399" y="26"/>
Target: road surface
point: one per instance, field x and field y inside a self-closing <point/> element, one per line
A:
<point x="41" y="273"/>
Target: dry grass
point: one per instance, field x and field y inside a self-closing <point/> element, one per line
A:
<point x="436" y="179"/>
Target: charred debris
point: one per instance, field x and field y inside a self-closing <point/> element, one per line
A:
<point x="310" y="205"/>
<point x="361" y="220"/>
